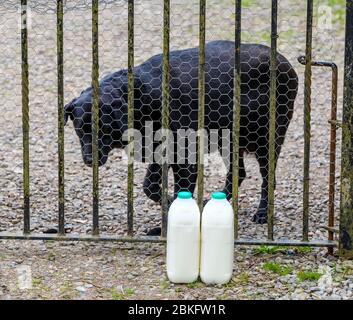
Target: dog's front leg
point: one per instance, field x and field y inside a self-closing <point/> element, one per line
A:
<point x="152" y="182"/>
<point x="185" y="177"/>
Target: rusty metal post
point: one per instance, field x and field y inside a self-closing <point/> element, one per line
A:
<point x="95" y="116"/>
<point x="236" y="116"/>
<point x="346" y="208"/>
<point x="333" y="142"/>
<point x="60" y="66"/>
<point x="165" y="114"/>
<point x="131" y="108"/>
<point x="272" y="122"/>
<point x="25" y="116"/>
<point x="201" y="106"/>
<point x="307" y="119"/>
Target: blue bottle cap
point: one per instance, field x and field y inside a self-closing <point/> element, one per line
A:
<point x="219" y="195"/>
<point x="184" y="195"/>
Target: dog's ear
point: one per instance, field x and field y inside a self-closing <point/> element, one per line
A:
<point x="69" y="108"/>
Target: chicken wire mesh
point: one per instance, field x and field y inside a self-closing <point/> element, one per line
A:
<point x="328" y="44"/>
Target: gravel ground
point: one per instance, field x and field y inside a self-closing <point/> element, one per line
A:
<point x="99" y="270"/>
<point x="111" y="271"/>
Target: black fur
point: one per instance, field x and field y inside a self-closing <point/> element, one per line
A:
<point x="255" y="84"/>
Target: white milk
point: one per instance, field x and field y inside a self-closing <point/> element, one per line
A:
<point x="217" y="240"/>
<point x="183" y="239"/>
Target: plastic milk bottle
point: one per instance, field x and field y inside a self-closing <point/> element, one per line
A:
<point x="217" y="240"/>
<point x="183" y="239"/>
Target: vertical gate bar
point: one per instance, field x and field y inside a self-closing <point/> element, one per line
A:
<point x="346" y="207"/>
<point x="331" y="200"/>
<point x="25" y="116"/>
<point x="236" y="116"/>
<point x="60" y="62"/>
<point x="165" y="114"/>
<point x="307" y="119"/>
<point x="201" y="105"/>
<point x="131" y="151"/>
<point x="272" y="122"/>
<point x="95" y="116"/>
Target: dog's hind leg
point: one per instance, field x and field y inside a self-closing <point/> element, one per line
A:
<point x="261" y="213"/>
<point x="152" y="182"/>
<point x="229" y="181"/>
<point x="282" y="123"/>
<point x="262" y="158"/>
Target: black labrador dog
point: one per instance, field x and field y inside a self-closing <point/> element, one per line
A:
<point x="219" y="75"/>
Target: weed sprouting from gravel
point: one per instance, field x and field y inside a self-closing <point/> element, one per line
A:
<point x="178" y="289"/>
<point x="67" y="291"/>
<point x="164" y="284"/>
<point x="303" y="250"/>
<point x="281" y="249"/>
<point x="36" y="282"/>
<point x="51" y="256"/>
<point x="277" y="268"/>
<point x="338" y="10"/>
<point x="308" y="276"/>
<point x="267" y="250"/>
<point x="240" y="279"/>
<point x="194" y="285"/>
<point x="116" y="295"/>
<point x="223" y="297"/>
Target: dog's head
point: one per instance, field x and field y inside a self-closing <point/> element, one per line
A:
<point x="112" y="123"/>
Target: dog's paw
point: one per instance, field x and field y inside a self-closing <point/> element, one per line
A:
<point x="154" y="232"/>
<point x="55" y="229"/>
<point x="260" y="217"/>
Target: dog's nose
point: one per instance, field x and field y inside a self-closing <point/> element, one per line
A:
<point x="88" y="160"/>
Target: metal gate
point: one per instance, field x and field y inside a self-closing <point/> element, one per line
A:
<point x="346" y="224"/>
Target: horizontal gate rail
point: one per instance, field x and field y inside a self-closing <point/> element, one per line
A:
<point x="80" y="237"/>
